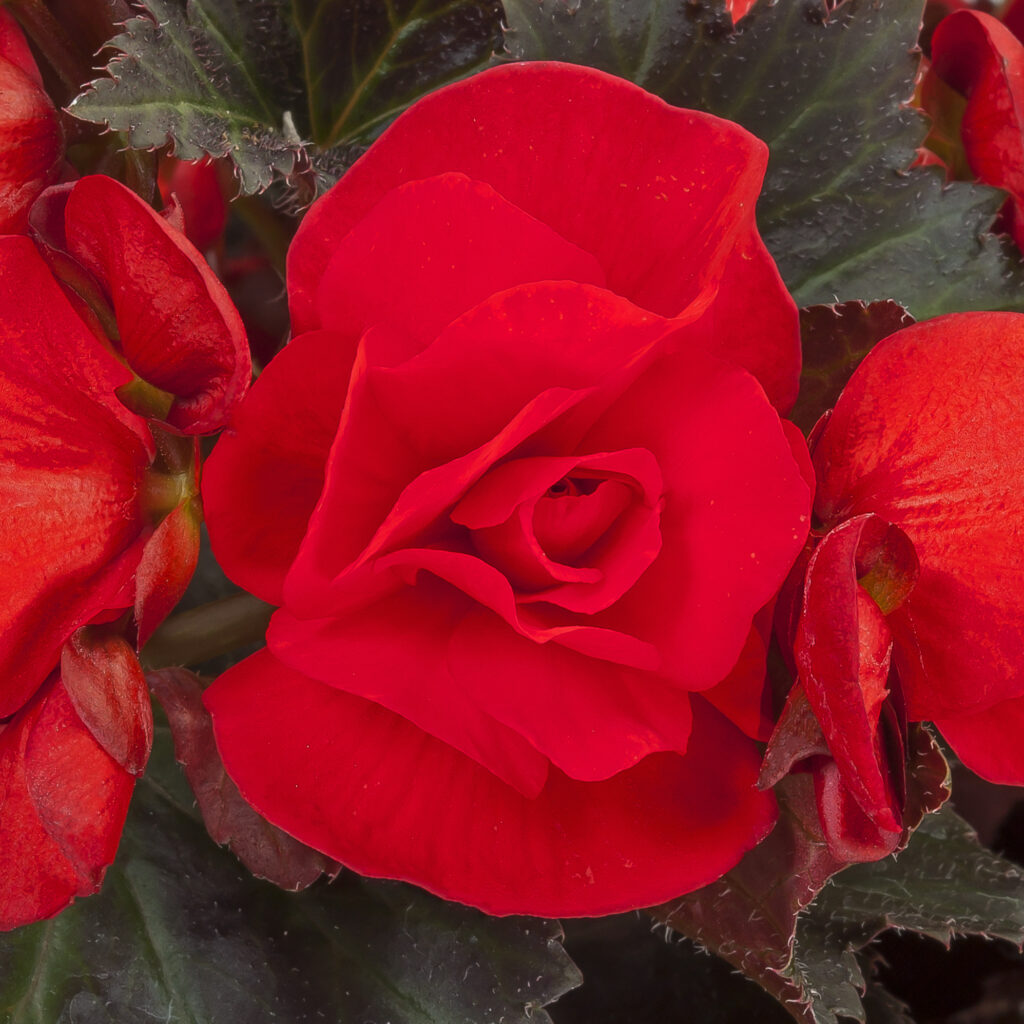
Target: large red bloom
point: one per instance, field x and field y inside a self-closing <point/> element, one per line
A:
<point x="519" y="488"/>
<point x="101" y="523"/>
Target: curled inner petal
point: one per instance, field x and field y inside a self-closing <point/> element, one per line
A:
<point x="576" y="532"/>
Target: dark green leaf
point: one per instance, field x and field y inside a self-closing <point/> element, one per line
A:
<point x="366" y="60"/>
<point x="943" y="884"/>
<point x="212" y="76"/>
<point x="180" y="933"/>
<point x="636" y="975"/>
<point x="835" y="339"/>
<point x="840" y="212"/>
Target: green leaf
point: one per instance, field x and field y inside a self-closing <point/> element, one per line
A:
<point x="636" y="975"/>
<point x="840" y="212"/>
<point x="181" y="933"/>
<point x="258" y="80"/>
<point x="366" y="60"/>
<point x="943" y="884"/>
<point x="211" y="76"/>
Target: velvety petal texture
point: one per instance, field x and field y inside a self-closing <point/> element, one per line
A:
<point x="927" y="436"/>
<point x="63" y="801"/>
<point x="31" y="140"/>
<point x="519" y="487"/>
<point x="428" y="814"/>
<point x="72" y="460"/>
<point x="177" y="328"/>
<point x="663" y="229"/>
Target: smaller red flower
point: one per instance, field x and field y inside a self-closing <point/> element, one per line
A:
<point x="102" y="514"/>
<point x="973" y="90"/>
<point x="31" y="140"/>
<point x="912" y="604"/>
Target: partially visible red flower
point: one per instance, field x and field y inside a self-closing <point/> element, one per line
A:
<point x="101" y="515"/>
<point x="195" y="187"/>
<point x="973" y="90"/>
<point x="31" y="140"/>
<point x="912" y="604"/>
<point x="519" y="488"/>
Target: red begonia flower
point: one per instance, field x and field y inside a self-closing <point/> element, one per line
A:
<point x="102" y="520"/>
<point x="926" y="437"/>
<point x="31" y="140"/>
<point x="976" y="79"/>
<point x="519" y="492"/>
<point x="160" y="302"/>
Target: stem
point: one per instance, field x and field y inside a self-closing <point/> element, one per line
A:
<point x="199" y="634"/>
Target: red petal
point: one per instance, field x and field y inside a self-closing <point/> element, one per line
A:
<point x="983" y="60"/>
<point x="851" y="835"/>
<point x="194" y="186"/>
<point x="735" y="516"/>
<point x="265" y="475"/>
<point x="370" y="789"/>
<point x="179" y="330"/>
<point x="657" y="194"/>
<point x="926" y="435"/>
<point x="843" y="647"/>
<point x="761" y="331"/>
<point x="168" y="561"/>
<point x="989" y="742"/>
<point x="14" y="47"/>
<point x="618" y="521"/>
<point x="744" y="696"/>
<point x="493" y="379"/>
<point x="457" y="670"/>
<point x="592" y="718"/>
<point x="395" y="653"/>
<point x="74" y="459"/>
<point x="31" y="139"/>
<point x="63" y="802"/>
<point x="105" y="684"/>
<point x="460" y="243"/>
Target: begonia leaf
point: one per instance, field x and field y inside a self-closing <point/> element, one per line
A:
<point x="181" y="932"/>
<point x="840" y="216"/>
<point x="943" y="884"/>
<point x="260" y="82"/>
<point x="750" y="915"/>
<point x="835" y="338"/>
<point x="217" y="77"/>
<point x="265" y="850"/>
<point x="394" y="53"/>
